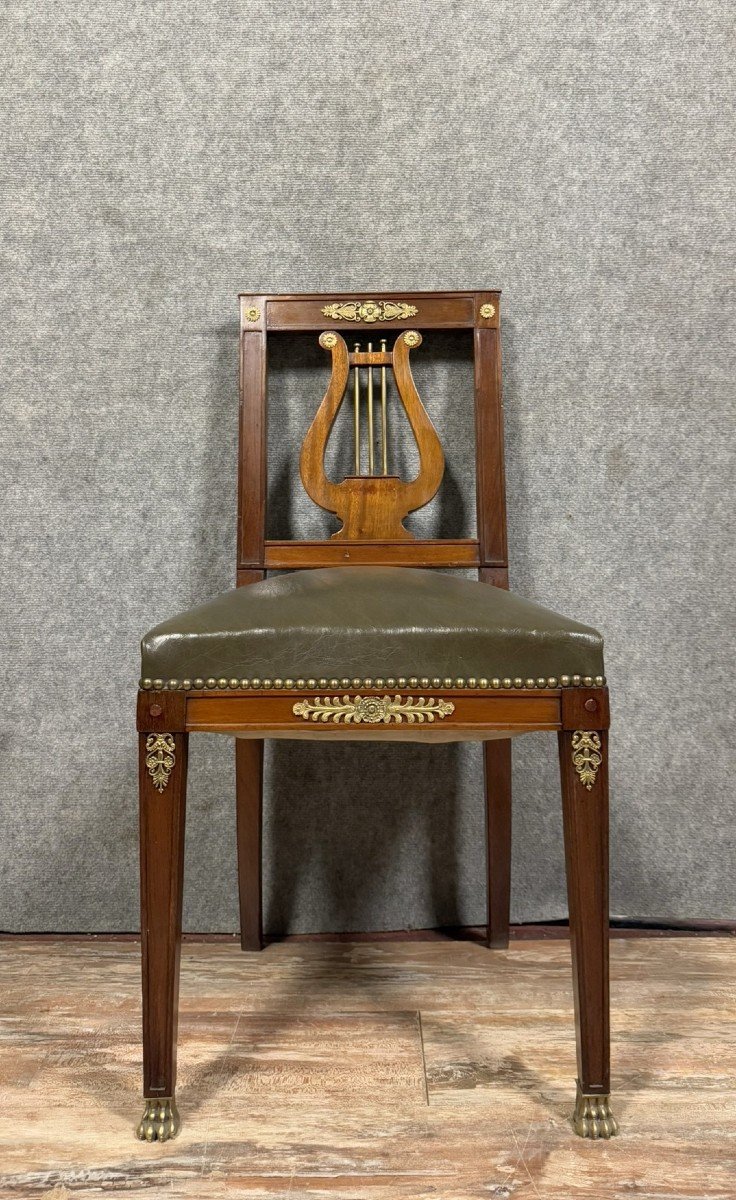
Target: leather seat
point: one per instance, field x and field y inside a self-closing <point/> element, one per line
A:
<point x="380" y="624"/>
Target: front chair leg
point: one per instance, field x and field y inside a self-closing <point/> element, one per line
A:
<point x="163" y="773"/>
<point x="584" y="776"/>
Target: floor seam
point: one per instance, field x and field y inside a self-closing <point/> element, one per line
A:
<point x="424" y="1057"/>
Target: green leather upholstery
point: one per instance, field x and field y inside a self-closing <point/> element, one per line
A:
<point x="369" y="622"/>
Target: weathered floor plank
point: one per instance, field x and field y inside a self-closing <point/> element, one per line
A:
<point x="395" y="1071"/>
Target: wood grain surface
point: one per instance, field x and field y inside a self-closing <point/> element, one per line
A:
<point x="368" y="1070"/>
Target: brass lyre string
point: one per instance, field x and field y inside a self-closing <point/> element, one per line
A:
<point x="384" y="415"/>
<point x="371" y="455"/>
<point x="356" y="412"/>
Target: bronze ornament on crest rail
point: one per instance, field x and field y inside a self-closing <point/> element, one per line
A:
<point x="370" y="311"/>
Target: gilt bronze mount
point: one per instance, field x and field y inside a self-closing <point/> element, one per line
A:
<point x="587" y="756"/>
<point x="370" y="311"/>
<point x="370" y="710"/>
<point x="593" y="1117"/>
<point x="160" y="758"/>
<point x="160" y="1120"/>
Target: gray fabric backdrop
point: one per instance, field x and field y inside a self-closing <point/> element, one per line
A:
<point x="159" y="158"/>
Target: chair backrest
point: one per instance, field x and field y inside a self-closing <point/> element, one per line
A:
<point x="371" y="503"/>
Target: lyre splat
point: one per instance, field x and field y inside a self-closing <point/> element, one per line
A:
<point x="372" y="507"/>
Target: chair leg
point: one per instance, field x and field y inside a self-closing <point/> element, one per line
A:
<point x="163" y="776"/>
<point x="584" y="777"/>
<point x="497" y="766"/>
<point x="249" y="791"/>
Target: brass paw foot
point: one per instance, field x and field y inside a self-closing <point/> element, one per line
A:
<point x="593" y="1117"/>
<point x="160" y="1120"/>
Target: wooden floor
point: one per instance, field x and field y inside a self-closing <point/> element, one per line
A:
<point x="368" y="1070"/>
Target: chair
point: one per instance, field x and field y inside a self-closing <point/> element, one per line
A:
<point x="365" y="638"/>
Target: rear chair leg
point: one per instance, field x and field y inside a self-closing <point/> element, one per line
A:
<point x="163" y="773"/>
<point x="584" y="776"/>
<point x="249" y="793"/>
<point x="497" y="764"/>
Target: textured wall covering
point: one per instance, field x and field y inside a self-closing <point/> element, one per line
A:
<point x="160" y="157"/>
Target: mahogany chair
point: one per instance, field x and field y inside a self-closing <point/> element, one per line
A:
<point x="365" y="637"/>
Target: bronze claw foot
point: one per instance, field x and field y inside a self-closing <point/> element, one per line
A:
<point x="160" y="1120"/>
<point x="593" y="1117"/>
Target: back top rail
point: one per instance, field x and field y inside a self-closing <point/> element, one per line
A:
<point x="372" y="311"/>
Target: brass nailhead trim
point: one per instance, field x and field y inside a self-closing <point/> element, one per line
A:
<point x="242" y="685"/>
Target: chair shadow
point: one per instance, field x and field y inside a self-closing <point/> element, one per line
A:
<point x="317" y="981"/>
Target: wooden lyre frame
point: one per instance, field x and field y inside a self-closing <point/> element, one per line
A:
<point x="372" y="507"/>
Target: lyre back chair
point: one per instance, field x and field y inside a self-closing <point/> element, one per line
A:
<point x="365" y="637"/>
